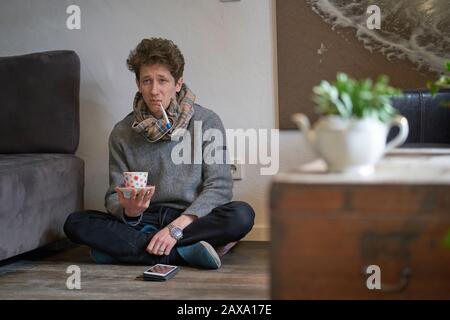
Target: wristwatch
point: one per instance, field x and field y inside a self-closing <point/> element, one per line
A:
<point x="175" y="232"/>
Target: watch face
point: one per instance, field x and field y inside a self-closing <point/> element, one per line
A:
<point x="177" y="233"/>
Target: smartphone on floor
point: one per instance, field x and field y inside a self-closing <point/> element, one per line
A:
<point x="160" y="272"/>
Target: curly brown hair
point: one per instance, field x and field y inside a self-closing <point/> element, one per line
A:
<point x="157" y="51"/>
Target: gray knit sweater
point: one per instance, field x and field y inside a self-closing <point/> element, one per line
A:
<point x="194" y="188"/>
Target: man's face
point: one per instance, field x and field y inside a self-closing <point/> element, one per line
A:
<point x="157" y="85"/>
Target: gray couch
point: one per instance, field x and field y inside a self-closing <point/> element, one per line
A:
<point x="41" y="180"/>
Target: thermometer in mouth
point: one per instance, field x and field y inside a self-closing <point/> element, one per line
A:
<point x="165" y="116"/>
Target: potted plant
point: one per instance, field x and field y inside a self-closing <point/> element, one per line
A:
<point x="442" y="82"/>
<point x="356" y="116"/>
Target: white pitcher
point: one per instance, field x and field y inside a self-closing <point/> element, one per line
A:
<point x="351" y="145"/>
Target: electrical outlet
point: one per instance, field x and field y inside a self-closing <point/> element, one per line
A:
<point x="236" y="170"/>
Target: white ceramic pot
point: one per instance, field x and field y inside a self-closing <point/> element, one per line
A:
<point x="351" y="145"/>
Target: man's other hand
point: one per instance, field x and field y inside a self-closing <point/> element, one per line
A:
<point x="137" y="203"/>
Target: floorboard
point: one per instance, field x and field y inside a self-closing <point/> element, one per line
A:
<point x="244" y="275"/>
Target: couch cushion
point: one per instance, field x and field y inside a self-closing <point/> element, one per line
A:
<point x="39" y="102"/>
<point x="37" y="193"/>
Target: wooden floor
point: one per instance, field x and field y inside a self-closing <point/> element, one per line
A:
<point x="244" y="275"/>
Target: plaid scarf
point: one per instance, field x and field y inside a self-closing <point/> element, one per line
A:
<point x="179" y="112"/>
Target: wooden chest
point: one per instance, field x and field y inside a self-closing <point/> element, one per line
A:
<point x="327" y="229"/>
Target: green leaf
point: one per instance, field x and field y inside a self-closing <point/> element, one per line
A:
<point x="447" y="239"/>
<point x="342" y="77"/>
<point x="442" y="82"/>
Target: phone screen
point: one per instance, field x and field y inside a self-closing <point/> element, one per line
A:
<point x="161" y="269"/>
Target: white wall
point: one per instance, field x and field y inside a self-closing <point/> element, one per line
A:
<point x="230" y="53"/>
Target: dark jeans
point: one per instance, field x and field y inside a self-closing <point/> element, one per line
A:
<point x="106" y="233"/>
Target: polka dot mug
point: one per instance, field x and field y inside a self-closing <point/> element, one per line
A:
<point x="135" y="179"/>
